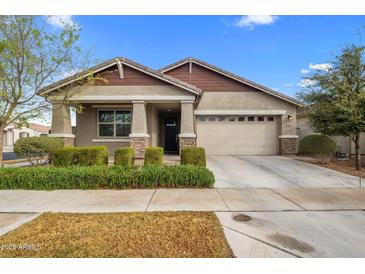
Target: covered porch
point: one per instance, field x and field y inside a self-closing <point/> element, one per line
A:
<point x="139" y="122"/>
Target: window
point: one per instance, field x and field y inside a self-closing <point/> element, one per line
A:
<point x="232" y="119"/>
<point x="221" y="118"/>
<point x="114" y="123"/>
<point x="270" y="118"/>
<point x="211" y="119"/>
<point x="250" y="118"/>
<point x="23" y="134"/>
<point x="241" y="118"/>
<point x="260" y="118"/>
<point x="202" y="118"/>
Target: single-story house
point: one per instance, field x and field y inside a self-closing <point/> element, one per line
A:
<point x="187" y="103"/>
<point x="11" y="134"/>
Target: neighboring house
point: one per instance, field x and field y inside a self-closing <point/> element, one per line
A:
<point x="187" y="103"/>
<point x="344" y="143"/>
<point x="12" y="134"/>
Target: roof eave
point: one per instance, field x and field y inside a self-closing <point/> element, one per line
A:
<point x="112" y="62"/>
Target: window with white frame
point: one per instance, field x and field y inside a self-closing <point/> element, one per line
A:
<point x="23" y="134"/>
<point x="114" y="123"/>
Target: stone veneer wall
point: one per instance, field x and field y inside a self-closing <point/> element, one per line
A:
<point x="140" y="144"/>
<point x="187" y="142"/>
<point x="288" y="146"/>
<point x="68" y="141"/>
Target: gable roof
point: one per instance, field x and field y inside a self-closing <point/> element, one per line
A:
<point x="39" y="127"/>
<point x="116" y="61"/>
<point x="232" y="76"/>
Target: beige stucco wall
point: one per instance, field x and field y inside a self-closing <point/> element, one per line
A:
<point x="61" y="119"/>
<point x="139" y="120"/>
<point x="303" y="129"/>
<point x="187" y="118"/>
<point x="86" y="127"/>
<point x="251" y="101"/>
<point x="152" y="124"/>
<point x="86" y="130"/>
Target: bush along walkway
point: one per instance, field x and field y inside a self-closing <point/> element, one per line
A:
<point x="105" y="177"/>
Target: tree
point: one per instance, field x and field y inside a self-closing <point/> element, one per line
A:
<point x="31" y="57"/>
<point x="336" y="97"/>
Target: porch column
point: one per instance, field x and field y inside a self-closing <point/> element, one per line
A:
<point x="288" y="140"/>
<point x="61" y="123"/>
<point x="187" y="136"/>
<point x="139" y="137"/>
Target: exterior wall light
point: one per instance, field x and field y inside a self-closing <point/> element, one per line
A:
<point x="290" y="117"/>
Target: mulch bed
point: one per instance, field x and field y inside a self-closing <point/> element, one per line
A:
<point x="345" y="166"/>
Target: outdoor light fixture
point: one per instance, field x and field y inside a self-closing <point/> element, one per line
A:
<point x="290" y="117"/>
<point x="169" y="110"/>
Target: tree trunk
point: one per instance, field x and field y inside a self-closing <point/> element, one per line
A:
<point x="1" y="145"/>
<point x="357" y="151"/>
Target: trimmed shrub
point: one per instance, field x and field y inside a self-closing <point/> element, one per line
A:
<point x="320" y="146"/>
<point x="82" y="156"/>
<point x="193" y="156"/>
<point x="93" y="155"/>
<point x="124" y="156"/>
<point x="66" y="156"/>
<point x="105" y="177"/>
<point x="153" y="156"/>
<point x="40" y="149"/>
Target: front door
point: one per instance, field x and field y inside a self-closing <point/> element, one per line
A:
<point x="171" y="134"/>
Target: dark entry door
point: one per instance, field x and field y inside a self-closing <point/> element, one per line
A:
<point x="171" y="132"/>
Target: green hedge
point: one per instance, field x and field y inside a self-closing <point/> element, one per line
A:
<point x="67" y="156"/>
<point x="37" y="148"/>
<point x="124" y="156"/>
<point x="193" y="156"/>
<point x="153" y="156"/>
<point x="101" y="177"/>
<point x="321" y="147"/>
<point x="317" y="144"/>
<point x="82" y="156"/>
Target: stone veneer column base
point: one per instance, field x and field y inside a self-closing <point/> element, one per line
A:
<point x="140" y="144"/>
<point x="187" y="142"/>
<point x="288" y="145"/>
<point x="69" y="141"/>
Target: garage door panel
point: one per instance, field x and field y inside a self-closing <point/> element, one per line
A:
<point x="238" y="138"/>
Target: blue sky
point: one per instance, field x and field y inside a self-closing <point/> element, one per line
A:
<point x="268" y="49"/>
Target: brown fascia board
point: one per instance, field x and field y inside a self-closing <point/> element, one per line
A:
<point x="233" y="76"/>
<point x="111" y="62"/>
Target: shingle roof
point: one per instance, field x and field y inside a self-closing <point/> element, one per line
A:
<point x="39" y="127"/>
<point x="232" y="75"/>
<point x="111" y="62"/>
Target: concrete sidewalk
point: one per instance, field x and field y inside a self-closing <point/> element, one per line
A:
<point x="282" y="222"/>
<point x="219" y="200"/>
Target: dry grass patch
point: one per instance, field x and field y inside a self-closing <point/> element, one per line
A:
<point x="153" y="234"/>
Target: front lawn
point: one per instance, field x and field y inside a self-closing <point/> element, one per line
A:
<point x="154" y="234"/>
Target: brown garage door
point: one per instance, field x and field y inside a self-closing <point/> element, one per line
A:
<point x="238" y="135"/>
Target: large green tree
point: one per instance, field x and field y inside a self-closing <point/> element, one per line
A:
<point x="335" y="97"/>
<point x="32" y="55"/>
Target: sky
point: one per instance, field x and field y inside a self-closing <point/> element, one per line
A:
<point x="276" y="51"/>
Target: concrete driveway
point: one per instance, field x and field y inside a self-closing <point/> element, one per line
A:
<point x="274" y="172"/>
